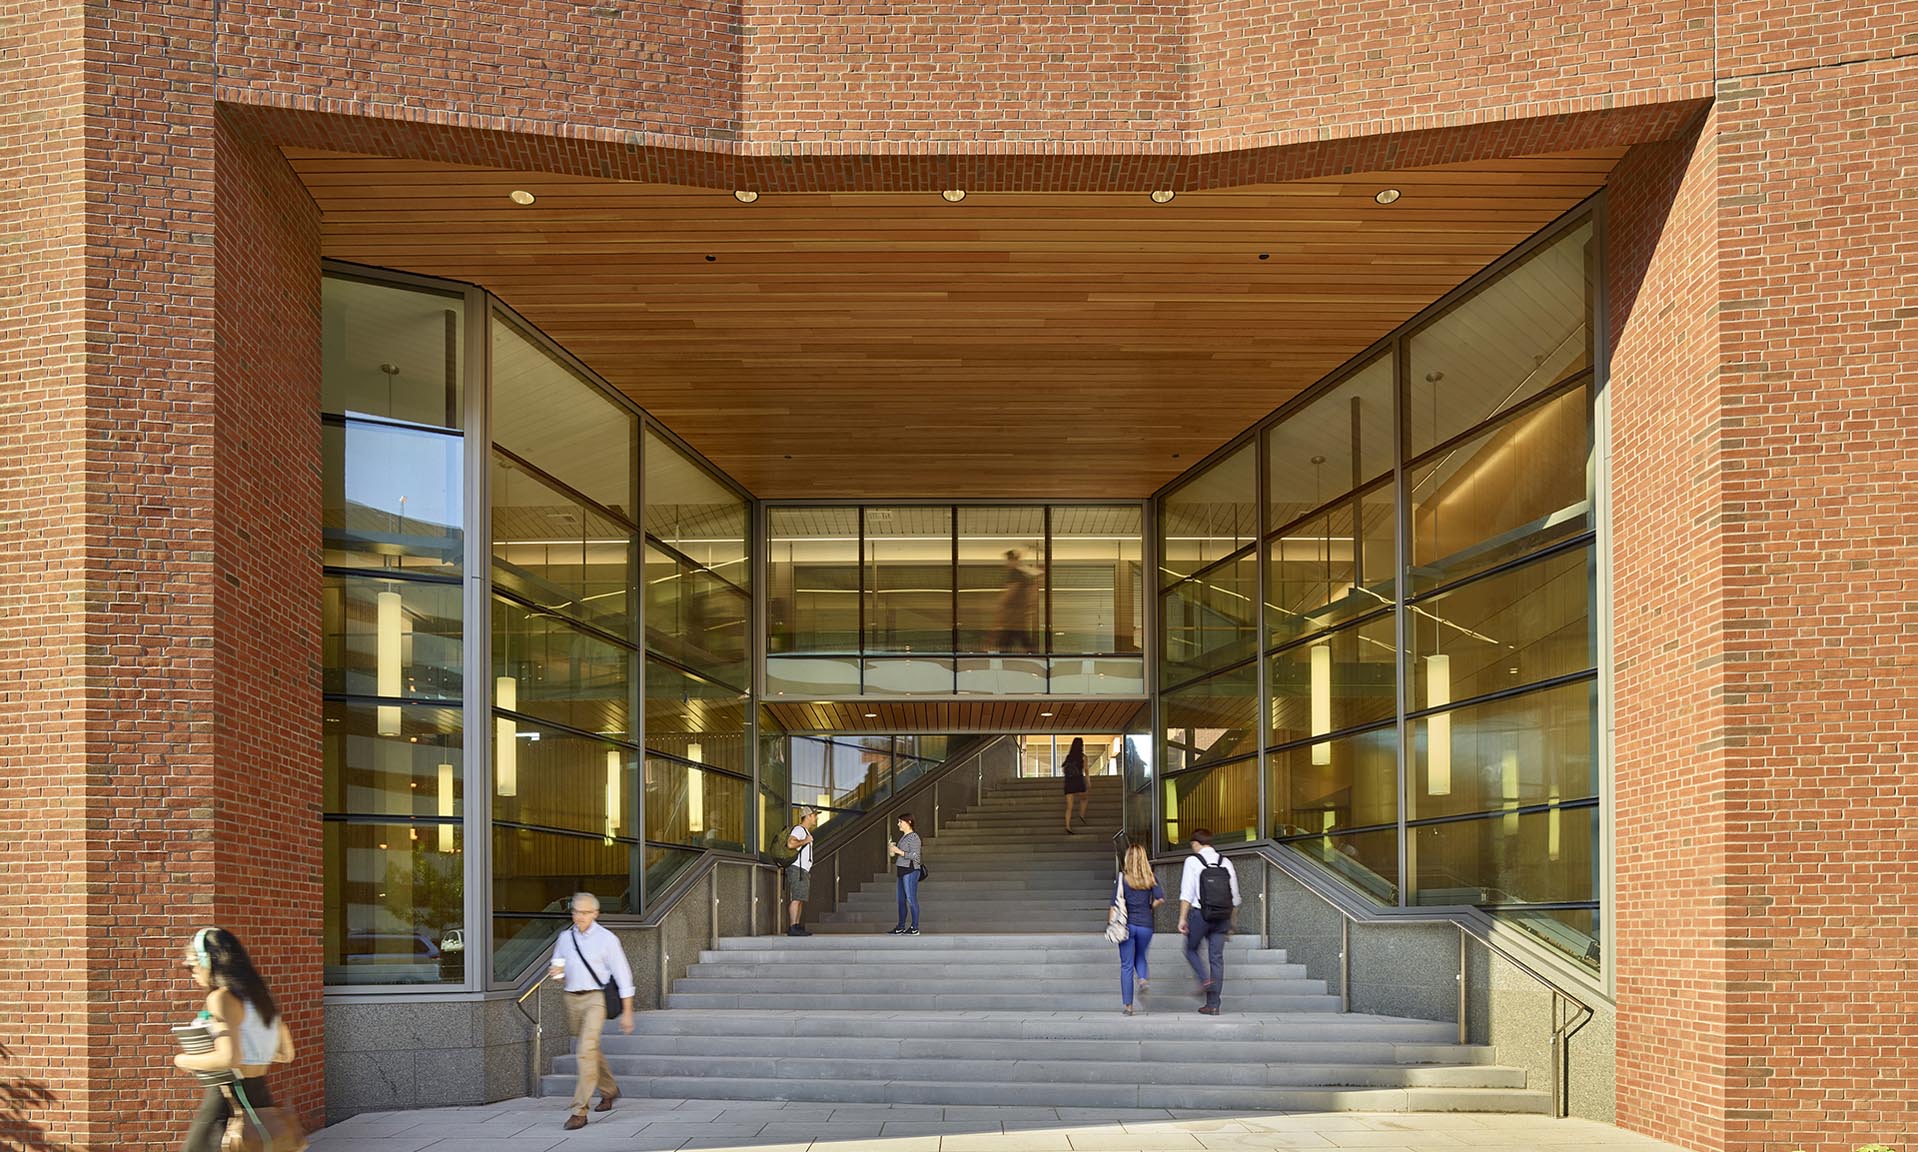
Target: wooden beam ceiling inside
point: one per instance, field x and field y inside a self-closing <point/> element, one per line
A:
<point x="1012" y="345"/>
<point x="1059" y="715"/>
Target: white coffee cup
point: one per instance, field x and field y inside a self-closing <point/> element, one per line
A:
<point x="559" y="965"/>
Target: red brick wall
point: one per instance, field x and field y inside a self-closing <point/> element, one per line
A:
<point x="267" y="598"/>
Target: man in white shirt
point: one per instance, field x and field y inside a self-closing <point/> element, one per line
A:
<point x="1206" y="904"/>
<point x="585" y="959"/>
<point x="799" y="872"/>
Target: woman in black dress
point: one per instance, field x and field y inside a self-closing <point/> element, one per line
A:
<point x="1074" y="768"/>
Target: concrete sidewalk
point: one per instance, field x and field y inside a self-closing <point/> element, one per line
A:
<point x="644" y="1125"/>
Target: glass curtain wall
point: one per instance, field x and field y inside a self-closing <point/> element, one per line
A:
<point x="954" y="600"/>
<point x="393" y="538"/>
<point x="839" y="775"/>
<point x="1422" y="664"/>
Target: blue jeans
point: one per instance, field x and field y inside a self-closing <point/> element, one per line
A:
<point x="1138" y="938"/>
<point x="1210" y="935"/>
<point x="908" y="897"/>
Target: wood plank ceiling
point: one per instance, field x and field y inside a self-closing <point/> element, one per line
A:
<point x="1011" y="345"/>
<point x="1061" y="715"/>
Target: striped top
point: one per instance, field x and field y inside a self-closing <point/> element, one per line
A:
<point x="908" y="851"/>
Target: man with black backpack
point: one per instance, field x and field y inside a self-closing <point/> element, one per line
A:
<point x="1210" y="888"/>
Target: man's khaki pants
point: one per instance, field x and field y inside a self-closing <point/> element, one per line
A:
<point x="586" y="1015"/>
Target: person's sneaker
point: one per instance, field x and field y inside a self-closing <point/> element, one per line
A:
<point x="1144" y="987"/>
<point x="897" y="932"/>
<point x="798" y="930"/>
<point x="912" y="931"/>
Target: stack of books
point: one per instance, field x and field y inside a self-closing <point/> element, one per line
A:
<point x="197" y="1038"/>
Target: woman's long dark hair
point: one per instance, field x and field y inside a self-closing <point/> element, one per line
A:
<point x="232" y="969"/>
<point x="1078" y="749"/>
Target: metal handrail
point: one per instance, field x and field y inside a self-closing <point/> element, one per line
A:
<point x="1564" y="1026"/>
<point x="655" y="920"/>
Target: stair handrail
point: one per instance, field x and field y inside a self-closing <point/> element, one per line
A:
<point x="1565" y="1024"/>
<point x="707" y="866"/>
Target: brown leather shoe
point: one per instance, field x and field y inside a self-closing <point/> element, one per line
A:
<point x="606" y="1101"/>
<point x="574" y="1123"/>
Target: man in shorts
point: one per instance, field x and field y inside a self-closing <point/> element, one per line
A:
<point x="799" y="872"/>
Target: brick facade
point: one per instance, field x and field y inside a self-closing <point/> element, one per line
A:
<point x="159" y="583"/>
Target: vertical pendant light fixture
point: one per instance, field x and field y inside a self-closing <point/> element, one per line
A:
<point x="1508" y="794"/>
<point x="387" y="670"/>
<point x="1321" y="701"/>
<point x="506" y="737"/>
<point x="446" y="806"/>
<point x="1551" y="826"/>
<point x="614" y="767"/>
<point x="695" y="791"/>
<point x="1438" y="729"/>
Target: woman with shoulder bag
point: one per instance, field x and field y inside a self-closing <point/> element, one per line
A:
<point x="1130" y="922"/>
<point x="248" y="1036"/>
<point x="909" y="867"/>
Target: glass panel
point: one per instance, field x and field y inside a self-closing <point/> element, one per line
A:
<point x="1037" y="756"/>
<point x="1516" y="488"/>
<point x="550" y="417"/>
<point x="1210" y="621"/>
<point x="395" y="904"/>
<point x="563" y="674"/>
<point x="811" y="677"/>
<point x="1215" y="719"/>
<point x="519" y="942"/>
<point x="1336" y="443"/>
<point x="391" y="352"/>
<point x="1002" y="675"/>
<point x="1341" y="680"/>
<point x="1537" y="857"/>
<point x="1348" y="783"/>
<point x="559" y="553"/>
<point x="689" y="805"/>
<point x="694" y="718"/>
<point x="1097" y="577"/>
<point x="1087" y="676"/>
<point x="1002" y="579"/>
<point x="1511" y="339"/>
<point x="393" y="498"/>
<point x="538" y="872"/>
<point x="908" y="582"/>
<point x="907" y="677"/>
<point x="861" y="771"/>
<point x="402" y="762"/>
<point x="1573" y="931"/>
<point x="1210" y="516"/>
<point x="666" y="864"/>
<point x="694" y="514"/>
<point x="1224" y="799"/>
<point x="391" y="638"/>
<point x="561" y="780"/>
<point x="1522" y="750"/>
<point x="1367" y="861"/>
<point x="812" y="580"/>
<point x="1318" y="577"/>
<point x="695" y="617"/>
<point x="810" y="766"/>
<point x="1519" y="627"/>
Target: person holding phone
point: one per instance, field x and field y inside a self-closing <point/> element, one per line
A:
<point x="906" y="860"/>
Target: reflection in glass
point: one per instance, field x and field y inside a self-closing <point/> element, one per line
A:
<point x="807" y="677"/>
<point x="1089" y="676"/>
<point x="1337" y="442"/>
<point x="908" y="580"/>
<point x="695" y="617"/>
<point x="694" y="514"/>
<point x="690" y="805"/>
<point x="392" y="352"/>
<point x="1336" y="681"/>
<point x="1224" y="799"/>
<point x="1546" y="857"/>
<point x="1215" y="719"/>
<point x="564" y="674"/>
<point x="1210" y="516"/>
<point x="812" y="580"/>
<point x="392" y="498"/>
<point x="1521" y="626"/>
<point x="666" y="864"/>
<point x="394" y="638"/>
<point x="558" y="552"/>
<point x="571" y="782"/>
<point x="1352" y="782"/>
<point x="395" y="905"/>
<point x="534" y="877"/>
<point x="1367" y="861"/>
<point x="1507" y="753"/>
<point x="413" y="772"/>
<point x="1097" y="579"/>
<point x="908" y="676"/>
<point x="1002" y="676"/>
<point x="1516" y="488"/>
<point x="551" y="417"/>
<point x="1573" y="931"/>
<point x="694" y="718"/>
<point x="1210" y="620"/>
<point x="1511" y="339"/>
<point x="1002" y="579"/>
<point x="1321" y="572"/>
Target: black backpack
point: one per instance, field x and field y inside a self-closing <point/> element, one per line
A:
<point x="1215" y="889"/>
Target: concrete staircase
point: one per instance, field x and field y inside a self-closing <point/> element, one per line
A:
<point x="1011" y="998"/>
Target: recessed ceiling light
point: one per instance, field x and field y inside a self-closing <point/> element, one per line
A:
<point x="1043" y="714"/>
<point x="1387" y="196"/>
<point x="954" y="195"/>
<point x="745" y="195"/>
<point x="711" y="258"/>
<point x="872" y="715"/>
<point x="1163" y="196"/>
<point x="521" y="196"/>
<point x="1265" y="255"/>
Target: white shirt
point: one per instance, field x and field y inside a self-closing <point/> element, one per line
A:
<point x="799" y="832"/>
<point x="1189" y="879"/>
<point x="599" y="946"/>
